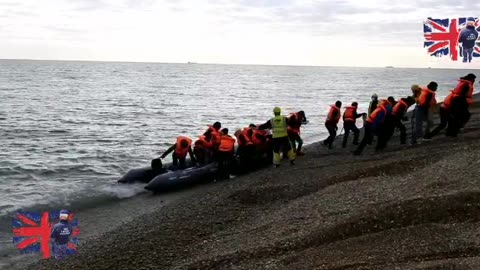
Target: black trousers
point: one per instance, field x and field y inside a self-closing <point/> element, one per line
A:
<point x="350" y="126"/>
<point x="444" y="117"/>
<point x="396" y="122"/>
<point x="224" y="163"/>
<point x="177" y="160"/>
<point x="246" y="154"/>
<point x="367" y="138"/>
<point x="459" y="116"/>
<point x="332" y="131"/>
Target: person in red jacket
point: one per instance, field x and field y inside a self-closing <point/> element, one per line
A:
<point x="445" y="109"/>
<point x="180" y="149"/>
<point x="331" y="123"/>
<point x="296" y="121"/>
<point x="398" y="115"/>
<point x="425" y="101"/>
<point x="203" y="148"/>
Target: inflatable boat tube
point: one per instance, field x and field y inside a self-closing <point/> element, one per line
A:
<point x="140" y="175"/>
<point x="181" y="178"/>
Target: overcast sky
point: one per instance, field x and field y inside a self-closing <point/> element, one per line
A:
<point x="331" y="32"/>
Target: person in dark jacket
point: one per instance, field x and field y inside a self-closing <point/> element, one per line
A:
<point x="467" y="38"/>
<point x="60" y="235"/>
<point x="296" y="121"/>
<point x="373" y="104"/>
<point x="349" y="123"/>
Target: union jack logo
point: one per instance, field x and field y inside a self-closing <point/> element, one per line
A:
<point x="441" y="37"/>
<point x="31" y="232"/>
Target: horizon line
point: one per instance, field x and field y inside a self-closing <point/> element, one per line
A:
<point x="196" y="63"/>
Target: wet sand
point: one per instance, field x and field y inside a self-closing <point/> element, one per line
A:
<point x="409" y="207"/>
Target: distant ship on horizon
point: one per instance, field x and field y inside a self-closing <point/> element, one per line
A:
<point x="192" y="63"/>
<point x="389" y="67"/>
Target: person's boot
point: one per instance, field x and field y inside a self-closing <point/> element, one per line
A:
<point x="300" y="153"/>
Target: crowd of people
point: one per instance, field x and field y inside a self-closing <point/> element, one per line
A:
<point x="281" y="134"/>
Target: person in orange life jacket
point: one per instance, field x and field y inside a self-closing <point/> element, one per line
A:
<point x="225" y="154"/>
<point x="463" y="98"/>
<point x="445" y="109"/>
<point x="422" y="109"/>
<point x="374" y="125"/>
<point x="296" y="121"/>
<point x="349" y="123"/>
<point x="398" y="115"/>
<point x="203" y="148"/>
<point x="216" y="135"/>
<point x="245" y="150"/>
<point x="331" y="123"/>
<point x="383" y="130"/>
<point x="180" y="150"/>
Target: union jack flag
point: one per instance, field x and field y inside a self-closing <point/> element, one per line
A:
<point x="441" y="37"/>
<point x="31" y="232"/>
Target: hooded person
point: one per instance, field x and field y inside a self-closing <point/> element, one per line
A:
<point x="468" y="37"/>
<point x="281" y="143"/>
<point x="60" y="235"/>
<point x="373" y="104"/>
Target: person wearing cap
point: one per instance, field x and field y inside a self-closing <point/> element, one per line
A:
<point x="462" y="99"/>
<point x="373" y="104"/>
<point x="425" y="101"/>
<point x="60" y="235"/>
<point x="468" y="37"/>
<point x="349" y="123"/>
<point x="180" y="149"/>
<point x="281" y="143"/>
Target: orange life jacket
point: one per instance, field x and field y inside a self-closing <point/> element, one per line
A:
<point x="216" y="136"/>
<point x="203" y="142"/>
<point x="227" y="144"/>
<point x="376" y="114"/>
<point x="331" y="117"/>
<point x="400" y="108"/>
<point x="422" y="99"/>
<point x="458" y="89"/>
<point x="448" y="100"/>
<point x="257" y="137"/>
<point x="296" y="127"/>
<point x="350" y="114"/>
<point x="179" y="151"/>
<point x="246" y="132"/>
<point x="243" y="139"/>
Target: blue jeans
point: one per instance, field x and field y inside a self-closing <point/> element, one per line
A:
<point x="421" y="115"/>
<point x="467" y="54"/>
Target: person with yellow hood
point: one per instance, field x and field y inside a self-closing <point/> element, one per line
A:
<point x="281" y="142"/>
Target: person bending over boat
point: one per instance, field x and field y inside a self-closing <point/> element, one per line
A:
<point x="245" y="150"/>
<point x="296" y="120"/>
<point x="225" y="154"/>
<point x="180" y="150"/>
<point x="216" y="135"/>
<point x="279" y="124"/>
<point x="203" y="148"/>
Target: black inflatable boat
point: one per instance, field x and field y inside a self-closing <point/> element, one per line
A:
<point x="181" y="178"/>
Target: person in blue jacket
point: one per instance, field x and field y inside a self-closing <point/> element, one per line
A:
<point x="468" y="38"/>
<point x="375" y="125"/>
<point x="60" y="235"/>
